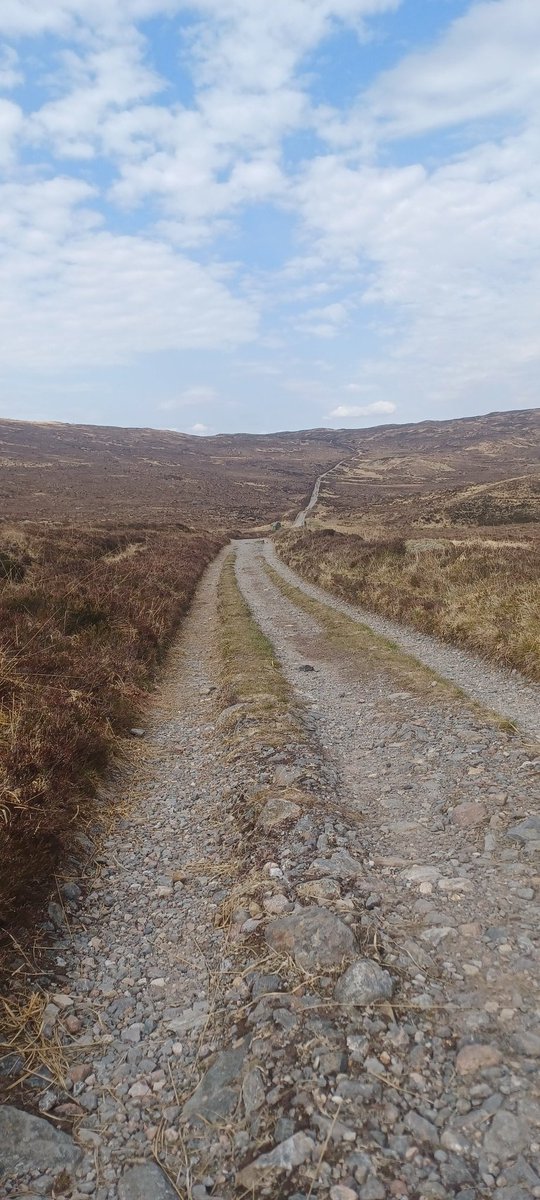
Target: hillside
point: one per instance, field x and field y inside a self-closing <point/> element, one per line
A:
<point x="473" y="473"/>
<point x="393" y="473"/>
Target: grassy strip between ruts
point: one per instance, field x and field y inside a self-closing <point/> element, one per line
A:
<point x="483" y="597"/>
<point x="86" y="616"/>
<point x="249" y="667"/>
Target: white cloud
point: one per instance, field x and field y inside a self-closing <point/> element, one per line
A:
<point x="200" y="429"/>
<point x="190" y="396"/>
<point x="74" y="293"/>
<point x="379" y="407"/>
<point x="11" y="121"/>
<point x="10" y="72"/>
<point x="324" y="322"/>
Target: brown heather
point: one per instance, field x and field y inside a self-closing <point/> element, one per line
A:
<point x="475" y="594"/>
<point x="86" y="616"/>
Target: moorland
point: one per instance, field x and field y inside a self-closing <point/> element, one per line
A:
<point x="104" y="533"/>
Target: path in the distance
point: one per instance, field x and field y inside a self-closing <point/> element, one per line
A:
<point x="300" y="520"/>
<point x="440" y="791"/>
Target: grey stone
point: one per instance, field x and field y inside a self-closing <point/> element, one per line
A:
<point x="277" y="811"/>
<point x="56" y="914"/>
<point x="314" y="938"/>
<point x="319" y="890"/>
<point x="145" y="1181"/>
<point x="284" y="1157"/>
<point x="340" y="865"/>
<point x="526" y="1042"/>
<point x="364" y="982"/>
<point x="526" y="831"/>
<point x="218" y="1091"/>
<point x="263" y="985"/>
<point x="506" y="1137"/>
<point x="421" y="1129"/>
<point x="29" y="1143"/>
<point x="253" y="1093"/>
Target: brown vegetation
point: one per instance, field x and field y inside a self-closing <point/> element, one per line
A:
<point x="483" y="596"/>
<point x="86" y="617"/>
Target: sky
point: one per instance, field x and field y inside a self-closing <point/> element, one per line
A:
<point x="234" y="215"/>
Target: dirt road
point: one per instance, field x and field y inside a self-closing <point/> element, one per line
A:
<point x="425" y="850"/>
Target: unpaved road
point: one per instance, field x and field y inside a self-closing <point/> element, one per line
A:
<point x="441" y="811"/>
<point x="300" y="520"/>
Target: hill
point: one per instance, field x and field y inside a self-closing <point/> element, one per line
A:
<point x="392" y="473"/>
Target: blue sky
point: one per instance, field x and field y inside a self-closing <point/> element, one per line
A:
<point x="230" y="215"/>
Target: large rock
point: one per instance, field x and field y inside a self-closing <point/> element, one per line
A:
<point x="364" y="983"/>
<point x="526" y="831"/>
<point x="340" y="865"/>
<point x="218" y="1092"/>
<point x="465" y="816"/>
<point x="477" y="1057"/>
<point x="29" y="1143"/>
<point x="146" y="1182"/>
<point x="313" y="937"/>
<point x="277" y="811"/>
<point x="289" y="1154"/>
<point x="322" y="891"/>
<point x="506" y="1137"/>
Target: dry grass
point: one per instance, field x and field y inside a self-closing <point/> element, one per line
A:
<point x="478" y="595"/>
<point x="84" y="626"/>
<point x="250" y="672"/>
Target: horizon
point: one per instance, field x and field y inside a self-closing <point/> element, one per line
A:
<point x="217" y="217"/>
<point x="269" y="433"/>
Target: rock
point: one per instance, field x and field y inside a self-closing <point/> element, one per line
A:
<point x="340" y="865"/>
<point x="465" y="816"/>
<point x="339" y="1192"/>
<point x="506" y="1137"/>
<point x="284" y="1157"/>
<point x="419" y="874"/>
<point x="61" y="1000"/>
<point x="137" y="732"/>
<point x="526" y="831"/>
<point x="288" y="775"/>
<point x="139" y="1183"/>
<point x="364" y="982"/>
<point x="264" y="985"/>
<point x="477" y="1057"/>
<point x="527" y="1043"/>
<point x="277" y="812"/>
<point x="320" y="890"/>
<point x="56" y="914"/>
<point x="314" y="938"/>
<point x="276" y="905"/>
<point x="191" y="1018"/>
<point x="253" y="1093"/>
<point x="71" y="891"/>
<point x="421" y="1129"/>
<point x="218" y="1091"/>
<point x="29" y="1143"/>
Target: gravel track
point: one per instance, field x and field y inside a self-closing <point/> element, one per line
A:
<point x="439" y="792"/>
<point x="437" y="1094"/>
<point x="505" y="693"/>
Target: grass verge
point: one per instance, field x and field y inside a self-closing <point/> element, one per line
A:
<point x="86" y="616"/>
<point x="483" y="597"/>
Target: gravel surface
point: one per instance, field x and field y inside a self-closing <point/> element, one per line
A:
<point x="506" y="693"/>
<point x="364" y="1024"/>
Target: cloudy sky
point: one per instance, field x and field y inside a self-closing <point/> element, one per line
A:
<point x="241" y="214"/>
